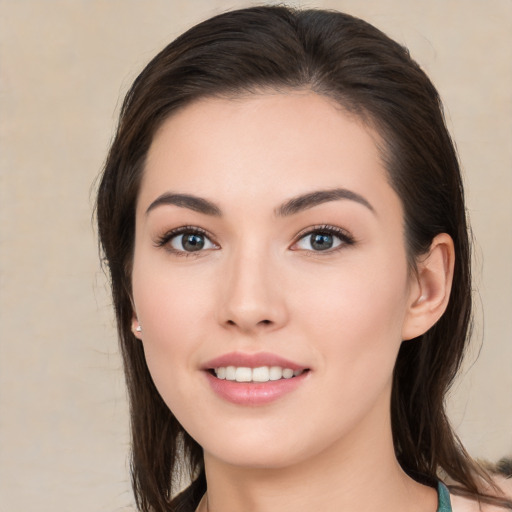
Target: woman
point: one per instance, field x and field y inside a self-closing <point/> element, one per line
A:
<point x="283" y="218"/>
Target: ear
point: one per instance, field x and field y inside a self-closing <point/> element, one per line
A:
<point x="136" y="327"/>
<point x="430" y="287"/>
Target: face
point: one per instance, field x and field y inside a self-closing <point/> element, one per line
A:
<point x="270" y="277"/>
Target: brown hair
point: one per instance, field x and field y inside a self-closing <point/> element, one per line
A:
<point x="370" y="75"/>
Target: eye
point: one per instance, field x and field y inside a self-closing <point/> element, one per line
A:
<point x="186" y="240"/>
<point x="323" y="239"/>
<point x="190" y="242"/>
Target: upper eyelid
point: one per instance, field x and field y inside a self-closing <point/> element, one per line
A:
<point x="323" y="228"/>
<point x="345" y="237"/>
<point x="171" y="233"/>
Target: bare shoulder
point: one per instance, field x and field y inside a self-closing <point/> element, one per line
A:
<point x="463" y="504"/>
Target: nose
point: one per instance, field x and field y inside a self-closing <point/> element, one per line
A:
<point x="253" y="298"/>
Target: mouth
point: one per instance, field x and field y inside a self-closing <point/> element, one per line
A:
<point x="254" y="379"/>
<point x="259" y="374"/>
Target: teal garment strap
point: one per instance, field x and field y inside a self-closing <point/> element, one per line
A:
<point x="443" y="498"/>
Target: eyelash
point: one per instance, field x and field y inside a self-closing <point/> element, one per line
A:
<point x="163" y="241"/>
<point x="345" y="238"/>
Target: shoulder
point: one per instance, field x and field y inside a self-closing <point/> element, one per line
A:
<point x="464" y="504"/>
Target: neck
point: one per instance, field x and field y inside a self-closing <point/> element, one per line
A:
<point x="359" y="473"/>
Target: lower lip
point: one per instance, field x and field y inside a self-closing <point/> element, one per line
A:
<point x="254" y="393"/>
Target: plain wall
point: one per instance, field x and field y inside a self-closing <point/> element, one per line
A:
<point x="64" y="67"/>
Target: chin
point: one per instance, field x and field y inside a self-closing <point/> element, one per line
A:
<point x="256" y="458"/>
<point x="277" y="450"/>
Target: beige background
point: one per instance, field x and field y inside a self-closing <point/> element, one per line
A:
<point x="64" y="65"/>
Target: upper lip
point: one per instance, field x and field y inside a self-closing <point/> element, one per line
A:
<point x="241" y="359"/>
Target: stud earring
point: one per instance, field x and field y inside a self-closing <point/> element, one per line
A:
<point x="138" y="328"/>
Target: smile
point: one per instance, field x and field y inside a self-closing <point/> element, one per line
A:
<point x="259" y="374"/>
<point x="254" y="379"/>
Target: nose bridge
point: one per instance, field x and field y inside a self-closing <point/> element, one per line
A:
<point x="251" y="297"/>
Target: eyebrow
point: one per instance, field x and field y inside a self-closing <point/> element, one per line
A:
<point x="306" y="201"/>
<point x="290" y="207"/>
<point x="198" y="204"/>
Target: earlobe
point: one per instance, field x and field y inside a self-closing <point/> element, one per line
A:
<point x="136" y="327"/>
<point x="431" y="287"/>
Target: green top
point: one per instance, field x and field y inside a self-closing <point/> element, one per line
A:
<point x="443" y="498"/>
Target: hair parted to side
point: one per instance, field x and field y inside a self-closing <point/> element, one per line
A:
<point x="373" y="77"/>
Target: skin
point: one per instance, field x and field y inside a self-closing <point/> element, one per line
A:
<point x="260" y="286"/>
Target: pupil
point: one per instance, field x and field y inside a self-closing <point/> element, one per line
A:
<point x="321" y="241"/>
<point x="193" y="242"/>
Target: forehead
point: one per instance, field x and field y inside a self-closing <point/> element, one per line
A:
<point x="271" y="144"/>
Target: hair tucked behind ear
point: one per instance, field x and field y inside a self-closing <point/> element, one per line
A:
<point x="371" y="76"/>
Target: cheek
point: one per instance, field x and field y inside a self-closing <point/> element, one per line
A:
<point x="171" y="309"/>
<point x="169" y="299"/>
<point x="354" y="323"/>
<point x="357" y="313"/>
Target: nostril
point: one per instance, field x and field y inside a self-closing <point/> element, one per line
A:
<point x="247" y="325"/>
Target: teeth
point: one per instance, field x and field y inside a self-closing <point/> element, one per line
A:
<point x="287" y="373"/>
<point x="260" y="374"/>
<point x="276" y="373"/>
<point x="243" y="374"/>
<point x="230" y="373"/>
